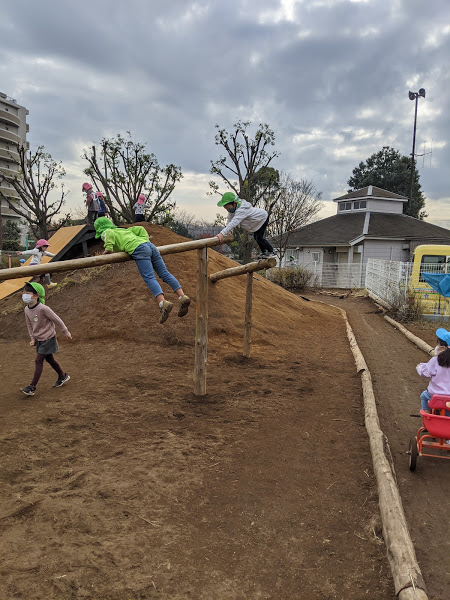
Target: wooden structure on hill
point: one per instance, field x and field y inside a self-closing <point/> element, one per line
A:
<point x="201" y="334"/>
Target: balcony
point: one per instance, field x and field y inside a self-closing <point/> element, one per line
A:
<point x="8" y="136"/>
<point x="8" y="118"/>
<point x="9" y="155"/>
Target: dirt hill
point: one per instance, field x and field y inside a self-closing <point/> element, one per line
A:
<point x="123" y="484"/>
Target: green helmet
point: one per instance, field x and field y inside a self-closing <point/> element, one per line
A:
<point x="40" y="291"/>
<point x="227" y="198"/>
<point x="101" y="224"/>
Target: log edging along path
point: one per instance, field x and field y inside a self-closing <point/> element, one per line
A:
<point x="413" y="338"/>
<point x="408" y="580"/>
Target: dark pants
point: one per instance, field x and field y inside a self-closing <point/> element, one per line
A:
<point x="39" y="365"/>
<point x="139" y="218"/>
<point x="92" y="215"/>
<point x="259" y="237"/>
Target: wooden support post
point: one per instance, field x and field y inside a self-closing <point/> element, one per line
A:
<point x="201" y="326"/>
<point x="260" y="265"/>
<point x="248" y="316"/>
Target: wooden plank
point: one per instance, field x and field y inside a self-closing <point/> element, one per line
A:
<point x="58" y="241"/>
<point x="201" y="326"/>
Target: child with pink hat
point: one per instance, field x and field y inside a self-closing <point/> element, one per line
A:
<point x="92" y="202"/>
<point x="37" y="254"/>
<point x="139" y="208"/>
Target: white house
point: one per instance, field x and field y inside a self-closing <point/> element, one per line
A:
<point x="369" y="224"/>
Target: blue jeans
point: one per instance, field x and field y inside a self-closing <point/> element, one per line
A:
<point x="148" y="258"/>
<point x="424" y="398"/>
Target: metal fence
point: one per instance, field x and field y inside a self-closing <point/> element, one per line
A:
<point x="336" y="275"/>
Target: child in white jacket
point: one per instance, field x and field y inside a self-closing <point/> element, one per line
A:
<point x="251" y="219"/>
<point x="37" y="254"/>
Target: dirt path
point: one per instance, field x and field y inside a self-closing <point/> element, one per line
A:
<point x="391" y="359"/>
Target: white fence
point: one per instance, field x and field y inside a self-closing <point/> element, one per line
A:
<point x="388" y="279"/>
<point x="335" y="275"/>
<point x="391" y="281"/>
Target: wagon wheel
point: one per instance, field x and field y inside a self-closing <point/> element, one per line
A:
<point x="412" y="455"/>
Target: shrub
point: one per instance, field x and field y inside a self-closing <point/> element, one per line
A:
<point x="297" y="278"/>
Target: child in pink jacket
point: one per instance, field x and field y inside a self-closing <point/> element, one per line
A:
<point x="40" y="320"/>
<point x="438" y="370"/>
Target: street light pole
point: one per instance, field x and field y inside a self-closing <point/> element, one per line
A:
<point x="414" y="96"/>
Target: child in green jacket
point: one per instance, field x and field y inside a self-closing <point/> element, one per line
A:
<point x="135" y="241"/>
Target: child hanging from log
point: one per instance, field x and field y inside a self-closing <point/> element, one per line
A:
<point x="135" y="242"/>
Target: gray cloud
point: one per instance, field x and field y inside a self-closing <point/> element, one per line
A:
<point x="330" y="77"/>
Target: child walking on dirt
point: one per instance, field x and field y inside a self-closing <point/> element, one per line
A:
<point x="40" y="320"/>
<point x="251" y="219"/>
<point x="37" y="254"/>
<point x="135" y="241"/>
<point x="438" y="370"/>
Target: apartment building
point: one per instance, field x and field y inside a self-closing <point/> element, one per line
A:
<point x="13" y="131"/>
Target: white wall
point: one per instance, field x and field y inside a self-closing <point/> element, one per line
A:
<point x="385" y="249"/>
<point x="385" y="206"/>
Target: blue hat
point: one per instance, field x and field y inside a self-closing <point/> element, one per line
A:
<point x="443" y="335"/>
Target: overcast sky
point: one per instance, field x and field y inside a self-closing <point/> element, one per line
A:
<point x="330" y="77"/>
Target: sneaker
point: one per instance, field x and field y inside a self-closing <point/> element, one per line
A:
<point x="29" y="390"/>
<point x="51" y="285"/>
<point x="165" y="310"/>
<point x="184" y="301"/>
<point x="262" y="255"/>
<point x="62" y="380"/>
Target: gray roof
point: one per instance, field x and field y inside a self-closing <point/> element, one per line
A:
<point x="341" y="229"/>
<point x="376" y="193"/>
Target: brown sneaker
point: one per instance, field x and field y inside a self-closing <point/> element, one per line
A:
<point x="184" y="305"/>
<point x="165" y="310"/>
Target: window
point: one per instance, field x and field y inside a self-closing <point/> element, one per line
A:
<point x="315" y="256"/>
<point x="433" y="264"/>
<point x="358" y="204"/>
<point x="345" y="205"/>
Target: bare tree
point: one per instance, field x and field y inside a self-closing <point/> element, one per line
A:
<point x="123" y="170"/>
<point x="297" y="205"/>
<point x="33" y="182"/>
<point x="242" y="165"/>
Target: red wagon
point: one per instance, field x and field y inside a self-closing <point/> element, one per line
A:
<point x="433" y="438"/>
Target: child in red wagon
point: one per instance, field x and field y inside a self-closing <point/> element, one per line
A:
<point x="40" y="320"/>
<point x="438" y="370"/>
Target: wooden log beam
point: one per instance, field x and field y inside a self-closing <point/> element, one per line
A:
<point x="248" y="316"/>
<point x="201" y="324"/>
<point x="413" y="338"/>
<point x="265" y="263"/>
<point x="103" y="259"/>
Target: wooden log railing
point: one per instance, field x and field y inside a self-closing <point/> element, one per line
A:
<point x="260" y="265"/>
<point x="103" y="259"/>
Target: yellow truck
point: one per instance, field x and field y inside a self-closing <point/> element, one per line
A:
<point x="430" y="259"/>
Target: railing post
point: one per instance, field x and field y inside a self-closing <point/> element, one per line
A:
<point x="201" y="325"/>
<point x="248" y="316"/>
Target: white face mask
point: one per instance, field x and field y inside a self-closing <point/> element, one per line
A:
<point x="27" y="298"/>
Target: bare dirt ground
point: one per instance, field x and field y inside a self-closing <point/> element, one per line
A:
<point x="391" y="359"/>
<point x="122" y="485"/>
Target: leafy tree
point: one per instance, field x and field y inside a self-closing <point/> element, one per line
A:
<point x="243" y="158"/>
<point x="244" y="167"/>
<point x="10" y="236"/>
<point x="124" y="170"/>
<point x="389" y="170"/>
<point x="33" y="181"/>
<point x="297" y="204"/>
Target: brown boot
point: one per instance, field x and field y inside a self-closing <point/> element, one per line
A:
<point x="184" y="305"/>
<point x="165" y="310"/>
